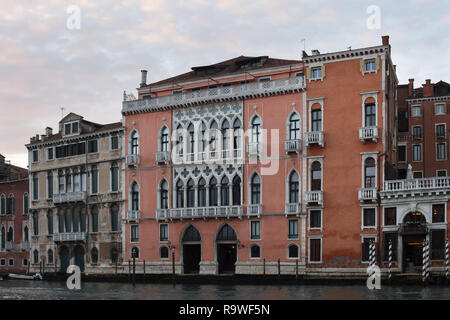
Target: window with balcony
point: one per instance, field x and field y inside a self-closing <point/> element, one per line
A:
<point x="202" y="140"/>
<point x="294" y="126"/>
<point x="164" y="139"/>
<point x="316" y="176"/>
<point x="236" y="191"/>
<point x="134" y="196"/>
<point x="213" y="139"/>
<point x="134" y="143"/>
<point x="26" y="204"/>
<point x="293" y="229"/>
<point x="370" y="115"/>
<point x="190" y="192"/>
<point x="316" y="120"/>
<point x="369" y="173"/>
<point x="441" y="173"/>
<point x="294" y="189"/>
<point x="213" y="196"/>
<point x="49" y="222"/>
<point x="225" y="137"/>
<point x="224" y="192"/>
<point x="201" y="197"/>
<point x="94" y="218"/>
<point x="2" y="204"/>
<point x="164" y="195"/>
<point x="237" y="134"/>
<point x="255" y="189"/>
<point x="191" y="145"/>
<point x="179" y="194"/>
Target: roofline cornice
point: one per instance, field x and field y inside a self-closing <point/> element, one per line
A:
<point x="428" y="99"/>
<point x="345" y="54"/>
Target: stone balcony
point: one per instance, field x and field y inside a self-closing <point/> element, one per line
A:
<point x="133" y="215"/>
<point x="292" y="209"/>
<point x="314" y="138"/>
<point x="212" y="95"/>
<point x="254" y="210"/>
<point x="69" y="197"/>
<point x="416" y="187"/>
<point x="291" y="146"/>
<point x="368" y="133"/>
<point x="162" y="157"/>
<point x="367" y="194"/>
<point x="253" y="149"/>
<point x="314" y="198"/>
<point x="11" y="246"/>
<point x="69" y="236"/>
<point x="199" y="212"/>
<point x="132" y="159"/>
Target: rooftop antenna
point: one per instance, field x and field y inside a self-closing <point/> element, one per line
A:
<point x="62" y="112"/>
<point x="304" y="44"/>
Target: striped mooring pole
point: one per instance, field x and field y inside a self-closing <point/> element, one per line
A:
<point x="371" y="258"/>
<point x="390" y="259"/>
<point x="446" y="260"/>
<point x="426" y="262"/>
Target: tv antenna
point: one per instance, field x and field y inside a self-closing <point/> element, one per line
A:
<point x="62" y="112"/>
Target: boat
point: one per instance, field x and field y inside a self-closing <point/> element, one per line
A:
<point x="36" y="276"/>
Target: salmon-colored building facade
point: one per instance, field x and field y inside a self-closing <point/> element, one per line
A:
<point x="258" y="165"/>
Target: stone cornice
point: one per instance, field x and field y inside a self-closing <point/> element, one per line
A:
<point x="345" y="54"/>
<point x="428" y="99"/>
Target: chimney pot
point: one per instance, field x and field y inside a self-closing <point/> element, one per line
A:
<point x="143" y="78"/>
<point x="385" y="40"/>
<point x="428" y="81"/>
<point x="48" y="132"/>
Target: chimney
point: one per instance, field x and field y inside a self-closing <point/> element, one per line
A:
<point x="143" y="78"/>
<point x="410" y="87"/>
<point x="385" y="40"/>
<point x="304" y="54"/>
<point x="315" y="52"/>
<point x="48" y="132"/>
<point x="37" y="138"/>
<point x="428" y="88"/>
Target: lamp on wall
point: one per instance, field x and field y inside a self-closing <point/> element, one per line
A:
<point x="239" y="245"/>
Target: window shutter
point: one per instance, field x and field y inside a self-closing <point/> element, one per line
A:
<point x="308" y="73"/>
<point x="377" y="64"/>
<point x="323" y="71"/>
<point x="362" y="66"/>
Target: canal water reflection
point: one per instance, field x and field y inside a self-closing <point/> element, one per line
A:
<point x="31" y="290"/>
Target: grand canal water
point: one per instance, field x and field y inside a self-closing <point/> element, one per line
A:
<point x="40" y="290"/>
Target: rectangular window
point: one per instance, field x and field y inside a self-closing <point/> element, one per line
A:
<point x="61" y="184"/>
<point x="76" y="183"/>
<point x="417" y="132"/>
<point x="369" y="65"/>
<point x="316" y="73"/>
<point x="417" y="152"/>
<point x="50" y="153"/>
<point x="11" y="262"/>
<point x="50" y="224"/>
<point x="163" y="232"/>
<point x="366" y="248"/>
<point x="440" y="131"/>
<point x="438" y="213"/>
<point x="401" y="153"/>
<point x="94" y="215"/>
<point x="114" y="142"/>
<point x="390" y="216"/>
<point x="316" y="120"/>
<point x="315" y="219"/>
<point x="92" y="146"/>
<point x="2" y="262"/>
<point x="416" y="111"/>
<point x="440" y="151"/>
<point x="75" y="127"/>
<point x="293" y="229"/>
<point x="439" y="109"/>
<point x="25" y="203"/>
<point x="437" y="244"/>
<point x="134" y="233"/>
<point x="114" y="179"/>
<point x="417" y="174"/>
<point x="35" y="224"/>
<point x="67" y="128"/>
<point x="35" y="188"/>
<point x="255" y="230"/>
<point x="441" y="173"/>
<point x="83" y="182"/>
<point x="369" y="217"/>
<point x="35" y="155"/>
<point x="94" y="181"/>
<point x="370" y="115"/>
<point x="49" y="186"/>
<point x="315" y="250"/>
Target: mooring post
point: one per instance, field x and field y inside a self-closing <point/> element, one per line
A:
<point x="279" y="267"/>
<point x="56" y="263"/>
<point x="43" y="266"/>
<point x="173" y="265"/>
<point x="264" y="266"/>
<point x="296" y="268"/>
<point x="40" y="267"/>
<point x="129" y="270"/>
<point x="28" y="267"/>
<point x="116" y="267"/>
<point x="134" y="270"/>
<point x="144" y="271"/>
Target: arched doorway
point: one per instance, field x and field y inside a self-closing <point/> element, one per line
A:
<point x="78" y="253"/>
<point x="192" y="250"/>
<point x="64" y="256"/>
<point x="226" y="241"/>
<point x="414" y="232"/>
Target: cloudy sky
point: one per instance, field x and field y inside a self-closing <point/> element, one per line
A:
<point x="47" y="62"/>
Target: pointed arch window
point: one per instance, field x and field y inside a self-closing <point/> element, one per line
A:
<point x="316" y="176"/>
<point x="3" y="237"/>
<point x="191" y="138"/>
<point x="94" y="216"/>
<point x="49" y="222"/>
<point x="25" y="233"/>
<point x="164" y="139"/>
<point x="134" y="142"/>
<point x="256" y="129"/>
<point x="369" y="173"/>
<point x="10" y="235"/>
<point x="202" y="139"/>
<point x="135" y="196"/>
<point x="50" y="256"/>
<point x="237" y="134"/>
<point x="94" y="255"/>
<point x="164" y="195"/>
<point x="180" y="140"/>
<point x="294" y="187"/>
<point x="225" y="135"/>
<point x="213" y="198"/>
<point x="191" y="234"/>
<point x="190" y="194"/>
<point x="212" y="136"/>
<point x="294" y="126"/>
<point x="114" y="213"/>
<point x="226" y="233"/>
<point x="10" y="204"/>
<point x="202" y="193"/>
<point x="2" y="204"/>
<point x="224" y="192"/>
<point x="255" y="189"/>
<point x="179" y="194"/>
<point x="236" y="191"/>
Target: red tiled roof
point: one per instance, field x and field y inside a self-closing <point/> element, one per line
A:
<point x="226" y="67"/>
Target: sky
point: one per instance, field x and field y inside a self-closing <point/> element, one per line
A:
<point x="81" y="55"/>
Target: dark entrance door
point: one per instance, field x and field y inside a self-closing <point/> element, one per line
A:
<point x="412" y="252"/>
<point x="64" y="257"/>
<point x="79" y="257"/>
<point x="191" y="258"/>
<point x="226" y="256"/>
